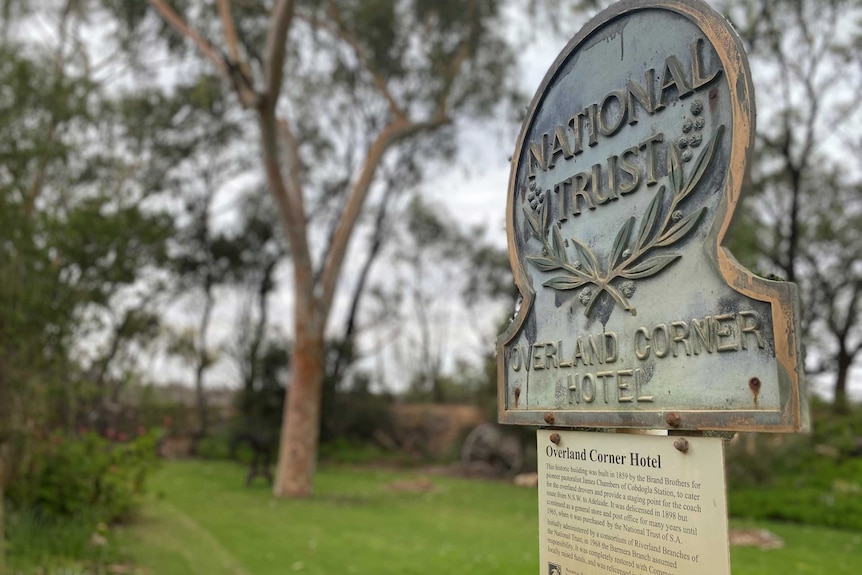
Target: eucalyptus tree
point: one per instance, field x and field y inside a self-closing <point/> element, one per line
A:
<point x="806" y="205"/>
<point x="335" y="88"/>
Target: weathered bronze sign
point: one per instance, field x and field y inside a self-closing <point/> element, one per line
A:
<point x="627" y="171"/>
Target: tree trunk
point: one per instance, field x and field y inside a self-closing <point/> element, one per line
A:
<point x="3" y="468"/>
<point x="203" y="362"/>
<point x="840" y="404"/>
<point x="300" y="429"/>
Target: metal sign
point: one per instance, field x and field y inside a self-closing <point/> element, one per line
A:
<point x="627" y="171"/>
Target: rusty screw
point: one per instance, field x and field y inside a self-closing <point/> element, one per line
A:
<point x="754" y="385"/>
<point x="517" y="396"/>
<point x="555" y="438"/>
<point x="672" y="419"/>
<point x="681" y="444"/>
<point x="550" y="419"/>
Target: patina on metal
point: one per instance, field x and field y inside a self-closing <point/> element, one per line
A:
<point x="626" y="175"/>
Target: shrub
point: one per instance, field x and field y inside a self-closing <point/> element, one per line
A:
<point x="343" y="450"/>
<point x="813" y="479"/>
<point x="830" y="496"/>
<point x="84" y="476"/>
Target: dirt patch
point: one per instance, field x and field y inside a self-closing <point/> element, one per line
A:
<point x="420" y="485"/>
<point x="755" y="538"/>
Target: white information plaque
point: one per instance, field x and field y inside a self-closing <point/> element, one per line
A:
<point x="626" y="504"/>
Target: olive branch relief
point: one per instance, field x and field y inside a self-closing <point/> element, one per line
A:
<point x="629" y="260"/>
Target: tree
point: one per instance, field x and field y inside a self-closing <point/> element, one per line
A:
<point x="335" y="87"/>
<point x="806" y="206"/>
<point x="182" y="137"/>
<point x="431" y="241"/>
<point x="76" y="241"/>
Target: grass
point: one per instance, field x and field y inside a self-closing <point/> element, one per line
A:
<point x="200" y="519"/>
<point x="807" y="551"/>
<point x="360" y="521"/>
<point x="44" y="544"/>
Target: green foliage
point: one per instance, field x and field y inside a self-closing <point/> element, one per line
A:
<point x="75" y="240"/>
<point x="84" y="476"/>
<point x="811" y="500"/>
<point x="221" y="445"/>
<point x="812" y="479"/>
<point x="355" y="416"/>
<point x="344" y="451"/>
<point x="40" y="543"/>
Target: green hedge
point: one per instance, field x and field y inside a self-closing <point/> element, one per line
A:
<point x="83" y="475"/>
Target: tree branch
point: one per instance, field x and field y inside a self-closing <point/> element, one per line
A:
<point x="240" y="83"/>
<point x="177" y="23"/>
<point x="229" y="29"/>
<point x="464" y="51"/>
<point x="276" y="49"/>
<point x="391" y="135"/>
<point x="340" y="31"/>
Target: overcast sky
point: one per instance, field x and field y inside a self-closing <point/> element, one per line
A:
<point x="474" y="188"/>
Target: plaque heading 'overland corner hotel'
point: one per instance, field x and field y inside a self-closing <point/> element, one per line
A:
<point x="625" y="177"/>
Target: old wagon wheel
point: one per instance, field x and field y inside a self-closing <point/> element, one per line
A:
<point x="491" y="451"/>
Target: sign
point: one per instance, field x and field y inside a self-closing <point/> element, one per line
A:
<point x="627" y="171"/>
<point x="631" y="504"/>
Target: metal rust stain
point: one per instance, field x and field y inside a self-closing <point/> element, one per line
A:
<point x="780" y="406"/>
<point x="754" y="385"/>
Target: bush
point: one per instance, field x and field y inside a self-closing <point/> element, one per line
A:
<point x="84" y="476"/>
<point x="814" y="479"/>
<point x="355" y="416"/>
<point x="344" y="451"/>
<point x="829" y="495"/>
<point x="227" y="443"/>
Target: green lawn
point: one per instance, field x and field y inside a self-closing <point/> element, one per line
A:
<point x="200" y="519"/>
<point x="807" y="551"/>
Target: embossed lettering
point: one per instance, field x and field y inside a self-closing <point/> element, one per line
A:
<point x="620" y="175"/>
<point x="698" y="81"/>
<point x="515" y="359"/>
<point x="607" y="117"/>
<point x="642" y="95"/>
<point x="614" y="104"/>
<point x="749" y="323"/>
<point x="624" y="385"/>
<point x="673" y="77"/>
<point x="649" y="146"/>
<point x="560" y="146"/>
<point x="711" y="334"/>
<point x="724" y="333"/>
<point x="538" y="356"/>
<point x="551" y="355"/>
